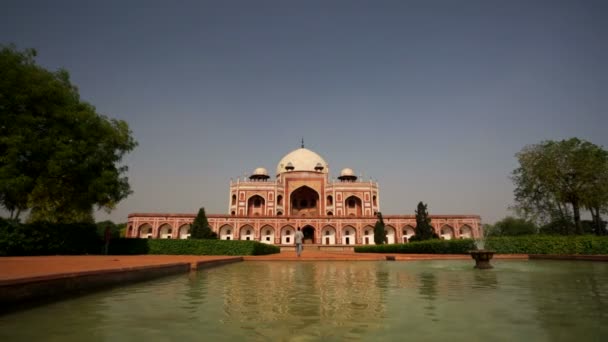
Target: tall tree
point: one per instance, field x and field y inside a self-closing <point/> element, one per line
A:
<point x="511" y="226"/>
<point x="200" y="227"/>
<point x="379" y="233"/>
<point x="424" y="230"/>
<point x="595" y="194"/>
<point x="58" y="157"/>
<point x="557" y="179"/>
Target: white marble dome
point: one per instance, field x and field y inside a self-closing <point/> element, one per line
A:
<point x="347" y="172"/>
<point x="302" y="159"/>
<point x="260" y="171"/>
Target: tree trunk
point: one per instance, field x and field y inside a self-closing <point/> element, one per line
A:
<point x="597" y="221"/>
<point x="577" y="217"/>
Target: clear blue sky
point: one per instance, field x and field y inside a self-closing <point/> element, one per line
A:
<point x="431" y="98"/>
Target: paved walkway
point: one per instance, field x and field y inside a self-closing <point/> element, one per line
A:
<point x="37" y="267"/>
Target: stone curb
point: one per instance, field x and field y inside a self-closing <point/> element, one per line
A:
<point x="58" y="285"/>
<point x="569" y="257"/>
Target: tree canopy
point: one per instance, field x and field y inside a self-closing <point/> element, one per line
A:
<point x="556" y="179"/>
<point x="59" y="158"/>
<point x="424" y="230"/>
<point x="511" y="226"/>
<point x="200" y="227"/>
<point x="379" y="233"/>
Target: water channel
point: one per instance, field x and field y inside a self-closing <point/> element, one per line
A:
<point x="336" y="301"/>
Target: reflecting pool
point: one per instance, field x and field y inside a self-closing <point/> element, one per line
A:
<point x="335" y="301"/>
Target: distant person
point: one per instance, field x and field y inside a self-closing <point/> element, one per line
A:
<point x="298" y="240"/>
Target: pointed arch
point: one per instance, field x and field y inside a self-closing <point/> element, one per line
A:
<point x="390" y="234"/>
<point x="466" y="232"/>
<point x="304" y="202"/>
<point x="165" y="231"/>
<point x="349" y="235"/>
<point x="184" y="231"/>
<point x="246" y="232"/>
<point x="407" y="232"/>
<point x="287" y="234"/>
<point x="328" y="235"/>
<point x="446" y="232"/>
<point x="353" y="206"/>
<point x="226" y="232"/>
<point x="145" y="231"/>
<point x="267" y="234"/>
<point x="256" y="206"/>
<point x="368" y="235"/>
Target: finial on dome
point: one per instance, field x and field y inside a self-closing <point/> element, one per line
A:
<point x="302" y="142"/>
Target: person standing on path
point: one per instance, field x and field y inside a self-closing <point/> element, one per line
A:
<point x="298" y="240"/>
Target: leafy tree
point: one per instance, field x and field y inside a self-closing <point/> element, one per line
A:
<point x="116" y="229"/>
<point x="58" y="156"/>
<point x="556" y="179"/>
<point x="424" y="230"/>
<point x="200" y="227"/>
<point x="488" y="229"/>
<point x="595" y="198"/>
<point x="379" y="233"/>
<point x="511" y="226"/>
<point x="558" y="227"/>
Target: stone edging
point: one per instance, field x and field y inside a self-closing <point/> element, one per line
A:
<point x="568" y="257"/>
<point x="43" y="288"/>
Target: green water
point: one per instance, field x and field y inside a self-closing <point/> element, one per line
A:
<point x="336" y="301"/>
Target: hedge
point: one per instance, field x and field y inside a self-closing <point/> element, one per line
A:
<point x="190" y="247"/>
<point x="43" y="238"/>
<point x="544" y="244"/>
<point x="531" y="244"/>
<point x="434" y="246"/>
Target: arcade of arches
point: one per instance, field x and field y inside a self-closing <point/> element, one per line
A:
<point x="330" y="231"/>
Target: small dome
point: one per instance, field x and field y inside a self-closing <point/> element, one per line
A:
<point x="259" y="174"/>
<point x="347" y="172"/>
<point x="260" y="171"/>
<point x="347" y="175"/>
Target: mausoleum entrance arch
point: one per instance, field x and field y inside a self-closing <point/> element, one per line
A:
<point x="309" y="234"/>
<point x="304" y="202"/>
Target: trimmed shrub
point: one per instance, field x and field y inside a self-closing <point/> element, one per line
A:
<point x="531" y="244"/>
<point x="433" y="246"/>
<point x="190" y="247"/>
<point x="43" y="238"/>
<point x="544" y="244"/>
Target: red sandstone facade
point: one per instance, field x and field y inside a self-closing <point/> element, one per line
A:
<point x="339" y="212"/>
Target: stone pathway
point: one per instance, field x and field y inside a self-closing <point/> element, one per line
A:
<point x="37" y="267"/>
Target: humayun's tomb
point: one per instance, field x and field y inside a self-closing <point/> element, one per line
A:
<point x="330" y="212"/>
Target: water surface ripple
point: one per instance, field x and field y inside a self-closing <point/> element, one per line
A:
<point x="334" y="301"/>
